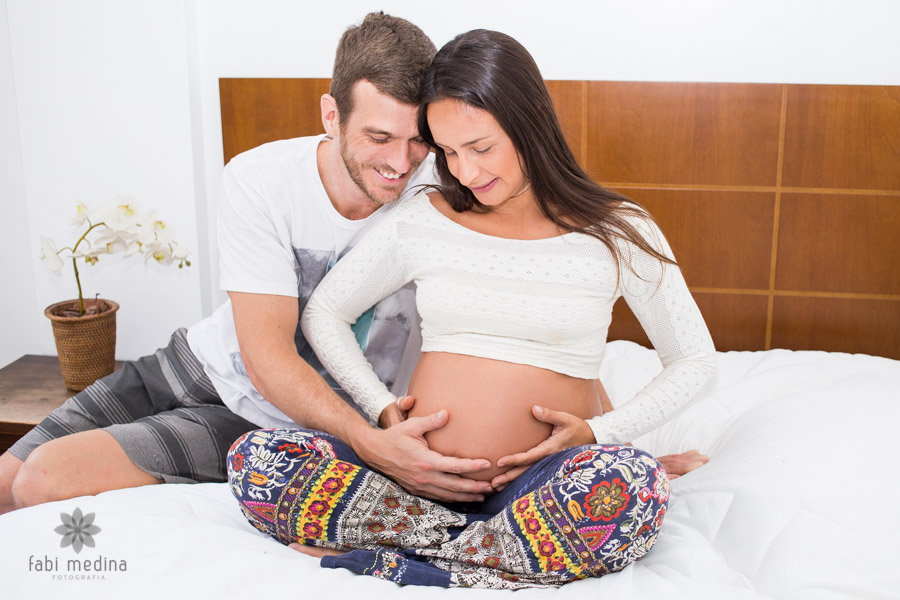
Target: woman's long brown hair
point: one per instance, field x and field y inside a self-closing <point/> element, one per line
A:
<point x="492" y="71"/>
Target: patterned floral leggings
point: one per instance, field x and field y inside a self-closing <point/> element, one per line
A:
<point x="582" y="512"/>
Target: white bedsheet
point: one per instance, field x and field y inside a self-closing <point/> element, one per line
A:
<point x="799" y="501"/>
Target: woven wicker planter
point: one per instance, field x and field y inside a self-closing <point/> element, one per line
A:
<point x="86" y="345"/>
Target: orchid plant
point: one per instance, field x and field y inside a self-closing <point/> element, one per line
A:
<point x="121" y="228"/>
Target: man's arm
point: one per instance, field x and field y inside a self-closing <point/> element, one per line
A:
<point x="265" y="326"/>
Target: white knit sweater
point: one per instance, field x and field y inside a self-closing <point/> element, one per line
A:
<point x="546" y="303"/>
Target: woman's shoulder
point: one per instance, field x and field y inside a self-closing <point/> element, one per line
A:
<point x="417" y="207"/>
<point x="437" y="199"/>
<point x="634" y="214"/>
<point x="426" y="201"/>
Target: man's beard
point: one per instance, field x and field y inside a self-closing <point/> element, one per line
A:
<point x="356" y="169"/>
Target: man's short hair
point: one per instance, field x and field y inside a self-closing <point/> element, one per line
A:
<point x="389" y="52"/>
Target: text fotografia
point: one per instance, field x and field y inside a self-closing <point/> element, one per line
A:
<point x="76" y="568"/>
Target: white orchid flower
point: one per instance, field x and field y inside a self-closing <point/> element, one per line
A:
<point x="115" y="240"/>
<point x="116" y="245"/>
<point x="81" y="214"/>
<point x="122" y="228"/>
<point x="164" y="232"/>
<point x="92" y="254"/>
<point x="128" y="207"/>
<point x="154" y="229"/>
<point x="146" y="235"/>
<point x="179" y="252"/>
<point x="161" y="253"/>
<point x="123" y="217"/>
<point x="132" y="247"/>
<point x="50" y="254"/>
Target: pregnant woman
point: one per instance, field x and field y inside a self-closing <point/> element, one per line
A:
<point x="518" y="260"/>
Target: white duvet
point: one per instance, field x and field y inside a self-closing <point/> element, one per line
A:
<point x="801" y="500"/>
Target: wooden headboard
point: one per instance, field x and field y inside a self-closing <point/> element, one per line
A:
<point x="781" y="202"/>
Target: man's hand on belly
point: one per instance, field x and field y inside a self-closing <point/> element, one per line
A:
<point x="401" y="453"/>
<point x="568" y="431"/>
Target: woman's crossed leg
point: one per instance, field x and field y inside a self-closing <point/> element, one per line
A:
<point x="583" y="512"/>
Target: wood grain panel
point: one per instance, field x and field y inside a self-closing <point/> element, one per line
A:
<point x="720" y="239"/>
<point x="842" y="136"/>
<point x="625" y="325"/>
<point x="844" y="244"/>
<point x="256" y="111"/>
<point x="735" y="321"/>
<point x="837" y="325"/>
<point x="568" y="100"/>
<point x="683" y="133"/>
<point x="30" y="389"/>
<point x="688" y="152"/>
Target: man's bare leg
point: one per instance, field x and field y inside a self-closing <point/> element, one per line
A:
<point x="80" y="464"/>
<point x="9" y="467"/>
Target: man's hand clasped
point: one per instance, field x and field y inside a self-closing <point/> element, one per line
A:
<point x="400" y="452"/>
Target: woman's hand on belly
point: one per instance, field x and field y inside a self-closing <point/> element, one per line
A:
<point x="568" y="431"/>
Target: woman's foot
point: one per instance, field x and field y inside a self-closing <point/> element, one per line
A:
<point x="315" y="551"/>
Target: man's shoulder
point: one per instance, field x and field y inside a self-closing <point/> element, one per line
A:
<point x="275" y="154"/>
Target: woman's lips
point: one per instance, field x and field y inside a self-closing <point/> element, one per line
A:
<point x="485" y="188"/>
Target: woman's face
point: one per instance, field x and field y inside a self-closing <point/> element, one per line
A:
<point x="479" y="153"/>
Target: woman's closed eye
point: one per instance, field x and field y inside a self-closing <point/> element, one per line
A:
<point x="475" y="150"/>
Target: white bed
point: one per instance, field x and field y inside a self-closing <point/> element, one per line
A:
<point x="799" y="501"/>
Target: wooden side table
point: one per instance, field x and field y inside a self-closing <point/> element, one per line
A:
<point x="30" y="389"/>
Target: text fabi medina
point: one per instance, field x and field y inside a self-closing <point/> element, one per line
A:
<point x="101" y="564"/>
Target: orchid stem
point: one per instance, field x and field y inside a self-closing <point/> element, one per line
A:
<point x="75" y="263"/>
<point x="78" y="281"/>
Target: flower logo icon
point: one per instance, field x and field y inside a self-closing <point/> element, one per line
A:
<point x="77" y="530"/>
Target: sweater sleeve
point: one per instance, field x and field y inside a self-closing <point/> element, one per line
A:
<point x="368" y="273"/>
<point x="658" y="296"/>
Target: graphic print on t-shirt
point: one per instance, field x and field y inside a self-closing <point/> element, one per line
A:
<point x="381" y="331"/>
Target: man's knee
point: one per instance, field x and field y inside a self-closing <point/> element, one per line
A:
<point x="35" y="482"/>
<point x="80" y="464"/>
<point x="9" y="468"/>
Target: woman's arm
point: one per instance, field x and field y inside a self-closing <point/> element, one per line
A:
<point x="370" y="272"/>
<point x="658" y="296"/>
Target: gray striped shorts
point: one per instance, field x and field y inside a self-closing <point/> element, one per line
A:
<point x="163" y="411"/>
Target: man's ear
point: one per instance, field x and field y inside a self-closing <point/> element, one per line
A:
<point x="330" y="119"/>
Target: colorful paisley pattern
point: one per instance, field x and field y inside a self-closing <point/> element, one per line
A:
<point x="583" y="512"/>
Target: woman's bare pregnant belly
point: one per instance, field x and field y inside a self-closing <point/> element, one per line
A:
<point x="489" y="405"/>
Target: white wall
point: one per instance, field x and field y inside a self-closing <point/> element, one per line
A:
<point x="18" y="302"/>
<point x="119" y="97"/>
<point x="101" y="91"/>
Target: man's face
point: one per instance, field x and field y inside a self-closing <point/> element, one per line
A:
<point x="380" y="143"/>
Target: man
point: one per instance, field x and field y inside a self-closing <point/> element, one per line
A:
<point x="289" y="210"/>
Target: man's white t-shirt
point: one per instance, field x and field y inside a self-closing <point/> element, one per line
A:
<point x="278" y="234"/>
